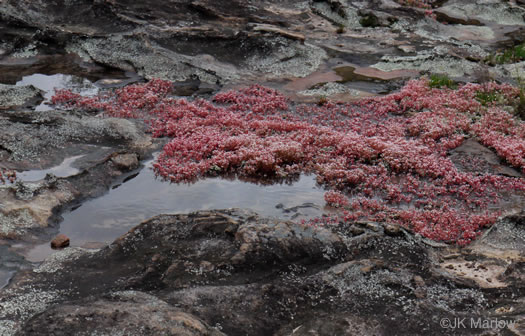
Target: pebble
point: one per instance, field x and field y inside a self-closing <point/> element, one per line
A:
<point x="60" y="241"/>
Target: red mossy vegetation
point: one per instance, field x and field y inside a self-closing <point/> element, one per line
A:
<point x="425" y="4"/>
<point x="383" y="158"/>
<point x="7" y="175"/>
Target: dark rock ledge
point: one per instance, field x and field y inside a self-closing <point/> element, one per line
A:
<point x="233" y="272"/>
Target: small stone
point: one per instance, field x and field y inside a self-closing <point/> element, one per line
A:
<point x="420" y="293"/>
<point x="60" y="241"/>
<point x="356" y="231"/>
<point x="392" y="229"/>
<point x="418" y="280"/>
<point x="126" y="161"/>
<point x="372" y="226"/>
<point x="207" y="266"/>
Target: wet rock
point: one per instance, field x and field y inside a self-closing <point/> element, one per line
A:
<point x="235" y="272"/>
<point x="232" y="270"/>
<point x="14" y="69"/>
<point x="60" y="241"/>
<point x="36" y="140"/>
<point x="271" y="41"/>
<point x="54" y="262"/>
<point x="29" y="205"/>
<point x="40" y="137"/>
<point x="187" y="41"/>
<point x="126" y="162"/>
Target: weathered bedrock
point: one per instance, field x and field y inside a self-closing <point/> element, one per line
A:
<point x="106" y="148"/>
<point x="216" y="43"/>
<point x="233" y="272"/>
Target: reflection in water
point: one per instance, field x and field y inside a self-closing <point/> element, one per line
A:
<point x="82" y="86"/>
<point x="10" y="262"/>
<point x="105" y="218"/>
<point x="5" y="276"/>
<point x="63" y="170"/>
<point x="49" y="83"/>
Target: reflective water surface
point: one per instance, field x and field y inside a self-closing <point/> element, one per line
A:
<point x="48" y="84"/>
<point x="143" y="196"/>
<point x="62" y="170"/>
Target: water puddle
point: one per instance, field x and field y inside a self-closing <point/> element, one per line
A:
<point x="351" y="73"/>
<point x="48" y="83"/>
<point x="348" y="74"/>
<point x="65" y="169"/>
<point x="10" y="263"/>
<point x="103" y="219"/>
<point x="83" y="86"/>
<point x="343" y="81"/>
<point x="13" y="69"/>
<point x="50" y="72"/>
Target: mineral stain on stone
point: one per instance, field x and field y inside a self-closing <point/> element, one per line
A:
<point x="348" y="74"/>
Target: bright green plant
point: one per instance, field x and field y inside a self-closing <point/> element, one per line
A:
<point x="511" y="55"/>
<point x="439" y="81"/>
<point x="485" y="98"/>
